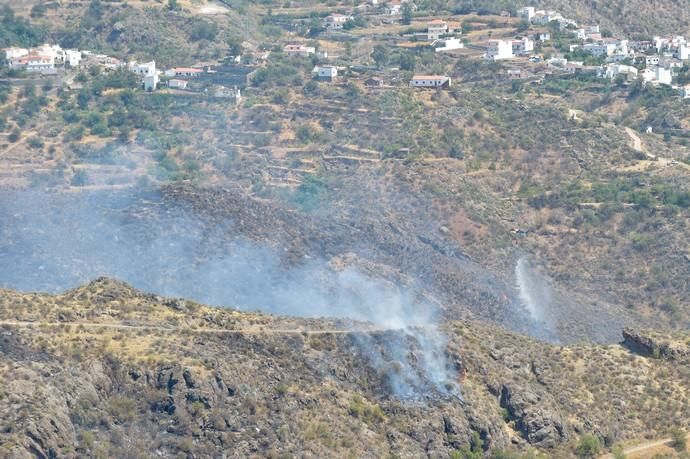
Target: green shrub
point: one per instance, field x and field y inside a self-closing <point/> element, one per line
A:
<point x="588" y="447"/>
<point x="679" y="440"/>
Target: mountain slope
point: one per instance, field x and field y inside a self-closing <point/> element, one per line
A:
<point x="115" y="369"/>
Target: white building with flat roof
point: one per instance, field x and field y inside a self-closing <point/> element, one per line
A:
<point x="325" y="72"/>
<point x="499" y="49"/>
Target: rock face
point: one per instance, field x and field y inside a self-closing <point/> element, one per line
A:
<point x="537" y="422"/>
<point x="649" y="345"/>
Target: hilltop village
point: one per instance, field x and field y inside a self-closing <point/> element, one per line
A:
<point x="530" y="45"/>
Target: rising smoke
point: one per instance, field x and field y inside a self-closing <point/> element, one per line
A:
<point x="55" y="242"/>
<point x="536" y="297"/>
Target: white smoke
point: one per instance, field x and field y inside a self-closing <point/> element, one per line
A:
<point x="535" y="294"/>
<point x="55" y="243"/>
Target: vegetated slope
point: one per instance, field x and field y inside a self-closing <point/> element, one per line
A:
<point x="104" y="369"/>
<point x="625" y="16"/>
<point x="142" y="30"/>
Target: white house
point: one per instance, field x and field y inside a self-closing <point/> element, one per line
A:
<point x="72" y="57"/>
<point x="13" y="53"/>
<point x="299" y="50"/>
<point x="580" y="34"/>
<point x="145" y="69"/>
<point x="430" y="81"/>
<point x="600" y="49"/>
<point x="393" y="7"/>
<point x="447" y="44"/>
<point x="544" y="36"/>
<point x="682" y="52"/>
<point x="612" y="71"/>
<point x="522" y="47"/>
<point x="499" y="49"/>
<point x="545" y="17"/>
<point x="663" y="75"/>
<point x="526" y="12"/>
<point x="436" y="29"/>
<point x="325" y="72"/>
<point x="335" y="21"/>
<point x="34" y="63"/>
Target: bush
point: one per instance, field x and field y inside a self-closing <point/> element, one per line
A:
<point x="679" y="440"/>
<point x="589" y="447"/>
<point x="15" y="135"/>
<point x="35" y="142"/>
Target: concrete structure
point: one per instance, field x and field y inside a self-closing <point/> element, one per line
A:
<point x="430" y="81"/>
<point x="325" y="72"/>
<point x="685" y="92"/>
<point x="188" y="72"/>
<point x="544" y="36"/>
<point x="299" y="50"/>
<point x="447" y="44"/>
<point x="499" y="49"/>
<point x="682" y="52"/>
<point x="177" y="84"/>
<point x="151" y="82"/>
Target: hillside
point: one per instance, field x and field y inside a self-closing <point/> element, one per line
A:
<point x="242" y="257"/>
<point x="116" y="368"/>
<point x="629" y="16"/>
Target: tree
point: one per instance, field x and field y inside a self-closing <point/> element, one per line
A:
<point x="589" y="447"/>
<point x="406" y="14"/>
<point x="235" y="45"/>
<point x="95" y="9"/>
<point x="204" y="30"/>
<point x="679" y="440"/>
<point x="408" y="62"/>
<point x="380" y="55"/>
<point x="173" y="5"/>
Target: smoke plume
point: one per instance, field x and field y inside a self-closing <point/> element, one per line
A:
<point x="56" y="242"/>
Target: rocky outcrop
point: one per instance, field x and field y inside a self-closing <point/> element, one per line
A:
<point x="537" y="422"/>
<point x="649" y="345"/>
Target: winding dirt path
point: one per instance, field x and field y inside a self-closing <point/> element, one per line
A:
<point x="239" y="331"/>
<point x="637" y="145"/>
<point x="640" y="449"/>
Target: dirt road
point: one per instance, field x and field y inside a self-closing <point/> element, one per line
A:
<point x="639" y="146"/>
<point x="640" y="450"/>
<point x="240" y="331"/>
